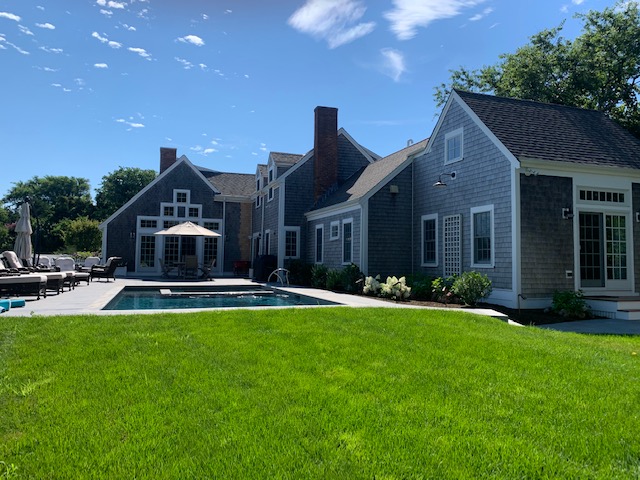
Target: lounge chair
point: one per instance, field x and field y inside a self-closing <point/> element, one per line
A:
<point x="27" y="284"/>
<point x="68" y="266"/>
<point x="206" y="269"/>
<point x="55" y="280"/>
<point x="107" y="270"/>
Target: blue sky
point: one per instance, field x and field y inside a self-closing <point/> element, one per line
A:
<point x="92" y="85"/>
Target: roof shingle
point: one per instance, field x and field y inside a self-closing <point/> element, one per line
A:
<point x="556" y="133"/>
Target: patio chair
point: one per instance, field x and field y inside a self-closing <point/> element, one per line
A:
<point x="166" y="269"/>
<point x="190" y="266"/>
<point x="206" y="269"/>
<point x="13" y="262"/>
<point x="88" y="263"/>
<point x="108" y="270"/>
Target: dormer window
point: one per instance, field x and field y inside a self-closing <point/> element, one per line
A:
<point x="271" y="174"/>
<point x="453" y="146"/>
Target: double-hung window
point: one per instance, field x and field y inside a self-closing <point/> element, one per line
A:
<point x="347" y="241"/>
<point x="334" y="230"/>
<point x="429" y="240"/>
<point x="453" y="146"/>
<point x="482" y="237"/>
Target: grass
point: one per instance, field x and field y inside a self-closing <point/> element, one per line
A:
<point x="314" y="393"/>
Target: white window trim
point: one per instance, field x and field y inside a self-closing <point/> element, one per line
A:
<point x="175" y="197"/>
<point x="473" y="211"/>
<point x="258" y="200"/>
<point x="266" y="244"/>
<point x="345" y="222"/>
<point x="424" y="218"/>
<point x="331" y="225"/>
<point x="454" y="133"/>
<point x="292" y="229"/>
<point x="315" y="250"/>
<point x="271" y="194"/>
<point x="271" y="174"/>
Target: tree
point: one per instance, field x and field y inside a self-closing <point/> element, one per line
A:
<point x="599" y="70"/>
<point x="52" y="199"/>
<point x="119" y="187"/>
<point x="79" y="234"/>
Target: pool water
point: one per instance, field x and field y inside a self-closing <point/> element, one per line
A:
<point x="150" y="298"/>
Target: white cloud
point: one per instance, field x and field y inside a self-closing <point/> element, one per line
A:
<point x="10" y="16"/>
<point x="130" y="124"/>
<point x="408" y="15"/>
<point x="108" y="13"/>
<point x="116" y="5"/>
<point x="564" y="8"/>
<point x="480" y="16"/>
<point x="185" y="63"/>
<point x="393" y="64"/>
<point x="140" y="51"/>
<point x="129" y="27"/>
<point x="207" y="151"/>
<point x="47" y="26"/>
<point x="193" y="39"/>
<point x="102" y="39"/>
<point x="102" y="3"/>
<point x="101" y="65"/>
<point x="205" y="16"/>
<point x="51" y="50"/>
<point x="49" y="69"/>
<point x="25" y="30"/>
<point x="335" y="21"/>
<point x="202" y="66"/>
<point x="577" y="2"/>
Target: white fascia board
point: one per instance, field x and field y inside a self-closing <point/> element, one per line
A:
<point x="405" y="163"/>
<point x="182" y="159"/>
<point x="233" y="198"/>
<point x="515" y="163"/>
<point x="344" y="133"/>
<point x="333" y="210"/>
<point x="569" y="169"/>
<point x="303" y="160"/>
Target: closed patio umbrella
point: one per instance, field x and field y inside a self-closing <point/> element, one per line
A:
<point x="22" y="245"/>
<point x="188" y="229"/>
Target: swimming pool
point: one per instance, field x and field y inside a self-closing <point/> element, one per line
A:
<point x="159" y="298"/>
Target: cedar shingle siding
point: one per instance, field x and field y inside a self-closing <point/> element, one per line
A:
<point x="546" y="238"/>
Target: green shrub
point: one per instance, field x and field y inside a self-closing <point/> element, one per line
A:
<point x="471" y="287"/>
<point x="420" y="286"/>
<point x="570" y="304"/>
<point x="352" y="279"/>
<point x="441" y="289"/>
<point x="299" y="272"/>
<point x="334" y="280"/>
<point x="319" y="276"/>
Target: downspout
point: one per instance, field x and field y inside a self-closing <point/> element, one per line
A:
<point x="413" y="220"/>
<point x="224" y="233"/>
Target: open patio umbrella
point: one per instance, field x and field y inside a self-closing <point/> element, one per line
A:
<point x="188" y="229"/>
<point x="22" y="245"/>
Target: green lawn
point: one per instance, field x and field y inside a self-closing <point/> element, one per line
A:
<point x="314" y="393"/>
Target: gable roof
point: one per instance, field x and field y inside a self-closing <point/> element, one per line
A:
<point x="231" y="184"/>
<point x="182" y="160"/>
<point x="558" y="133"/>
<point x="285" y="159"/>
<point x="365" y="180"/>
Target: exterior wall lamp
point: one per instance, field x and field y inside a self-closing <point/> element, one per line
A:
<point x="567" y="214"/>
<point x="440" y="183"/>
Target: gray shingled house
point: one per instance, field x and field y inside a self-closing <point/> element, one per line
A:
<point x="294" y="184"/>
<point x="539" y="197"/>
<point x="367" y="220"/>
<point x="219" y="201"/>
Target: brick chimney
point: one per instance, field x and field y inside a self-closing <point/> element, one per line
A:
<point x="325" y="150"/>
<point x="167" y="157"/>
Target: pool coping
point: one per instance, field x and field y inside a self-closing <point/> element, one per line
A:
<point x="90" y="299"/>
